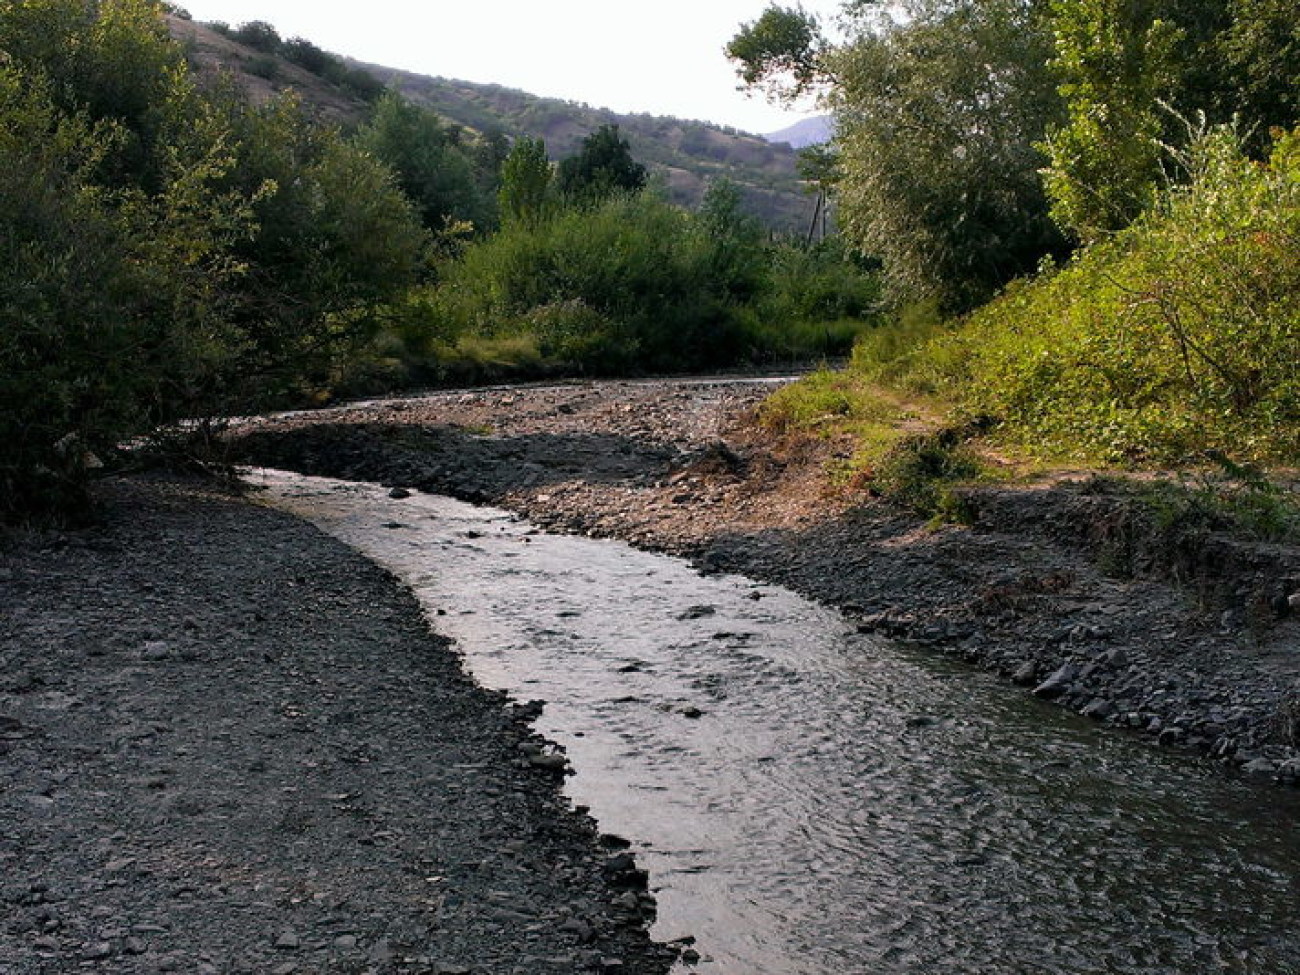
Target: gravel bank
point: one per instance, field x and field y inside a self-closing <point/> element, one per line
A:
<point x="230" y="744"/>
<point x="1200" y="651"/>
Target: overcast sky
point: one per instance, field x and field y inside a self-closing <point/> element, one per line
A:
<point x="663" y="57"/>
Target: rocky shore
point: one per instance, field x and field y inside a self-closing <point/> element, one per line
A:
<point x="1197" y="648"/>
<point x="229" y="744"/>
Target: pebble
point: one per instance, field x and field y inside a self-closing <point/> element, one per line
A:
<point x="1025" y="674"/>
<point x="1058" y="683"/>
<point x="97" y="951"/>
<point x="288" y="941"/>
<point x="1261" y="768"/>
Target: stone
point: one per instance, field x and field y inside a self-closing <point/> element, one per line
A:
<point x="288" y="941"/>
<point x="1058" y="683"/>
<point x="1263" y="768"/>
<point x="155" y="650"/>
<point x="97" y="951"/>
<point x="553" y="762"/>
<point x="1025" y="674"/>
<point x="1098" y="708"/>
<point x="621" y="871"/>
<point x="399" y="494"/>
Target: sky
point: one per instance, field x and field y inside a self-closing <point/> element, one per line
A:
<point x="664" y="57"/>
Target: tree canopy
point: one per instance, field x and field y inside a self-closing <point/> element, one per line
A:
<point x="602" y="166"/>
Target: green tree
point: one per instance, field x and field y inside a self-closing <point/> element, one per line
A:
<point x="113" y="298"/>
<point x="259" y="35"/>
<point x="525" y="182"/>
<point x="938" y="116"/>
<point x="112" y="59"/>
<point x="336" y="240"/>
<point x="1115" y="61"/>
<point x="780" y="52"/>
<point x="602" y="166"/>
<point x="1260" y="51"/>
<point x="432" y="169"/>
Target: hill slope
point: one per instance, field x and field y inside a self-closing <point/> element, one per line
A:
<point x="809" y="132"/>
<point x="684" y="154"/>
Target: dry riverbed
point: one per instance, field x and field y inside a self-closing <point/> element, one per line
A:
<point x="228" y="743"/>
<point x="1198" y="649"/>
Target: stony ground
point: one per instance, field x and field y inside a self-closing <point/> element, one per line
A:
<point x="1202" y="651"/>
<point x="230" y="744"/>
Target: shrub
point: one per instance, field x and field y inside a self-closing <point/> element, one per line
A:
<point x="1178" y="335"/>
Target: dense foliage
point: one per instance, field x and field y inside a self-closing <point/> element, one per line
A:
<point x="164" y="253"/>
<point x="633" y="283"/>
<point x="602" y="167"/>
<point x="1179" y="335"/>
<point x="1153" y="133"/>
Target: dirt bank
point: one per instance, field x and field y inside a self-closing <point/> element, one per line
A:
<point x="230" y="744"/>
<point x="1196" y="648"/>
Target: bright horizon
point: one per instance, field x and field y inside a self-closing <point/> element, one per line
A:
<point x="665" y="59"/>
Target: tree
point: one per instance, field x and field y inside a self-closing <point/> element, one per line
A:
<point x="525" y="182"/>
<point x="602" y="167"/>
<point x="259" y="35"/>
<point x="938" y="117"/>
<point x="780" y="52"/>
<point x="1115" y="62"/>
<point x="1260" y="51"/>
<point x="336" y="239"/>
<point x="434" y="172"/>
<point x="1133" y="73"/>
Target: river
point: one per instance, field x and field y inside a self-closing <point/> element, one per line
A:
<point x="811" y="800"/>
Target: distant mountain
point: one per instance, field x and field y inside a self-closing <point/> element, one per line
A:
<point x="809" y="132"/>
<point x="684" y="154"/>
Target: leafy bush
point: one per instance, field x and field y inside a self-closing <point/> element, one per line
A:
<point x="634" y="284"/>
<point x="165" y="254"/>
<point x="1180" y="334"/>
<point x="631" y="276"/>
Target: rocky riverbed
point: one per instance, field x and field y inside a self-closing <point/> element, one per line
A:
<point x="1197" y="649"/>
<point x="228" y="744"/>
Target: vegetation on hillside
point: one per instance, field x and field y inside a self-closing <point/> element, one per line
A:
<point x="1090" y="233"/>
<point x="685" y="155"/>
<point x="171" y="252"/>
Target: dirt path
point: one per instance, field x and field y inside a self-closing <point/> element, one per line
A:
<point x="230" y="744"/>
<point x="1211" y="664"/>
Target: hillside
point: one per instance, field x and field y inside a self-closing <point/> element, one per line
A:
<point x="809" y="132"/>
<point x="262" y="75"/>
<point x="684" y="154"/>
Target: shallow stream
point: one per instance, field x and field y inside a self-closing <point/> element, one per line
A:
<point x="810" y="800"/>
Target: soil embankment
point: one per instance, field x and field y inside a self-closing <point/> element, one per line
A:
<point x="228" y="743"/>
<point x="1197" y="649"/>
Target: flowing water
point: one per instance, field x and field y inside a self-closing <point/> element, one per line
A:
<point x="810" y="800"/>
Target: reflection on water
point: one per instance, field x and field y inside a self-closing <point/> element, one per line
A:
<point x="810" y="800"/>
